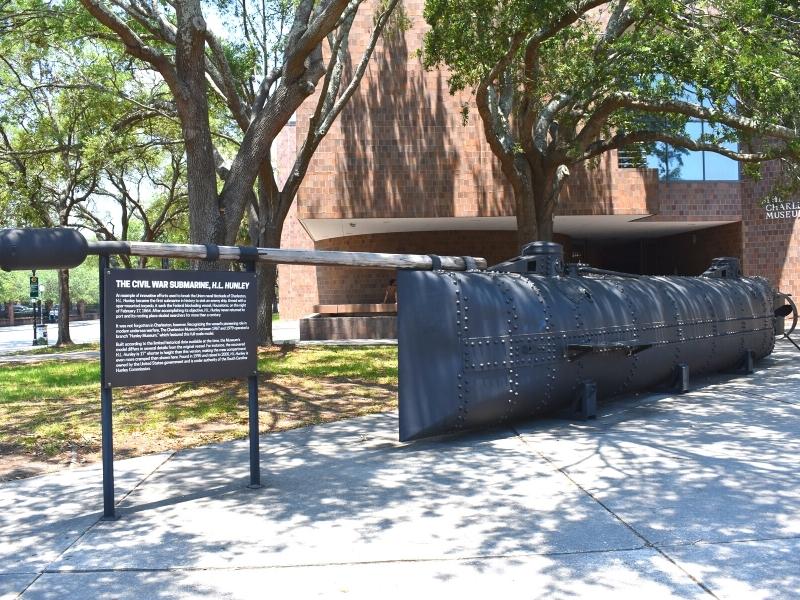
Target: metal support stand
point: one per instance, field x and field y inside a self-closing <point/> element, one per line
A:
<point x="109" y="511"/>
<point x="252" y="402"/>
<point x="748" y="362"/>
<point x="585" y="405"/>
<point x="680" y="381"/>
<point x="255" y="466"/>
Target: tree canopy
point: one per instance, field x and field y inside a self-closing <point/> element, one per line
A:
<point x="79" y="125"/>
<point x="559" y="82"/>
<point x="273" y="56"/>
<point x="185" y="96"/>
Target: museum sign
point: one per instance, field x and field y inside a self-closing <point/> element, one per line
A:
<point x="782" y="210"/>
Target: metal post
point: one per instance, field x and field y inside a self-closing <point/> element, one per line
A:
<point x="34" y="314"/>
<point x="252" y="402"/>
<point x="105" y="406"/>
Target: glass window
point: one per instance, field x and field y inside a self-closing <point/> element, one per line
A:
<point x="722" y="168"/>
<point x="680" y="164"/>
<point x="685" y="164"/>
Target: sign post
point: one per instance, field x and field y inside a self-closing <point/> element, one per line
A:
<point x="167" y="326"/>
<point x="34" y="295"/>
<point x="252" y="407"/>
<point x="106" y="395"/>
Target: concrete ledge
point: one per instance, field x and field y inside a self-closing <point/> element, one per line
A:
<point x="351" y="309"/>
<point x="319" y="327"/>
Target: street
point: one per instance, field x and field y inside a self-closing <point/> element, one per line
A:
<point x="20" y="337"/>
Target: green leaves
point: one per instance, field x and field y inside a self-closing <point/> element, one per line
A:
<point x="578" y="78"/>
<point x="76" y="115"/>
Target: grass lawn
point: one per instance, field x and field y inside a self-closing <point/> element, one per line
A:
<point x="50" y="410"/>
<point x="58" y="349"/>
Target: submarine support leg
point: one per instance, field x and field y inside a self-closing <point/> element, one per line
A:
<point x="680" y="379"/>
<point x="584" y="406"/>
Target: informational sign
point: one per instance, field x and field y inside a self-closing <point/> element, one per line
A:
<point x="782" y="210"/>
<point x="168" y="326"/>
<point x="34" y="280"/>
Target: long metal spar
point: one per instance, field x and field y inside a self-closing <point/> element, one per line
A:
<point x="63" y="248"/>
<point x="375" y="260"/>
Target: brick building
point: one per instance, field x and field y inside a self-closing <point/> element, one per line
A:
<point x="401" y="172"/>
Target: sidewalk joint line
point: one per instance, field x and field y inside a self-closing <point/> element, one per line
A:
<point x="347" y="563"/>
<point x="647" y="542"/>
<point x="91" y="526"/>
<point x="145" y="478"/>
<point x="724" y="542"/>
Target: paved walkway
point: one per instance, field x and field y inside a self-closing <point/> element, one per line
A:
<point x="696" y="496"/>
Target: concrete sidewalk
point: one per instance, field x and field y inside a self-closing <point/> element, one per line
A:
<point x="696" y="496"/>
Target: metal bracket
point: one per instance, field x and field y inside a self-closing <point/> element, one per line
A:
<point x="748" y="362"/>
<point x="248" y="253"/>
<point x="584" y="407"/>
<point x="576" y="351"/>
<point x="470" y="264"/>
<point x="212" y="252"/>
<point x="436" y="262"/>
<point x="747" y="365"/>
<point x="680" y="379"/>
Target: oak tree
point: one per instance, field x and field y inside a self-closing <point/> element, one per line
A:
<point x="558" y="83"/>
<point x="273" y="56"/>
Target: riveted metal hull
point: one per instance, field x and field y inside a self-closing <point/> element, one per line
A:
<point x="482" y="348"/>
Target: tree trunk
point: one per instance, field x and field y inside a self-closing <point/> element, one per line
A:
<point x="525" y="202"/>
<point x="545" y="227"/>
<point x="64" y="338"/>
<point x="267" y="278"/>
<point x="192" y="105"/>
<point x="535" y="207"/>
<point x="254" y="152"/>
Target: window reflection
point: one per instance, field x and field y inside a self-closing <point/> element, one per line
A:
<point x="722" y="168"/>
<point x="679" y="164"/>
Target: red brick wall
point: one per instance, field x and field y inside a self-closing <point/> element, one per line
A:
<point x="682" y="254"/>
<point x="400" y="149"/>
<point x="699" y="200"/>
<point x="342" y="285"/>
<point x="691" y="253"/>
<point x="297" y="284"/>
<point x="771" y="247"/>
<point x="606" y="189"/>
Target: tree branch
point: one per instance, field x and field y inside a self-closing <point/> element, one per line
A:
<point x="133" y="43"/>
<point x="741" y="123"/>
<point x="625" y="139"/>
<point x="308" y="31"/>
<point x="329" y="106"/>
